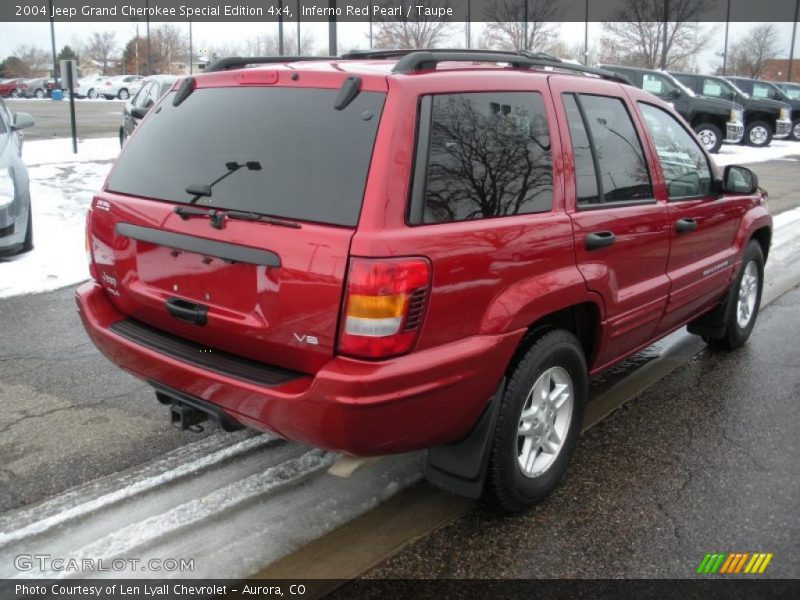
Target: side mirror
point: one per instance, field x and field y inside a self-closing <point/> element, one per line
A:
<point x="739" y="180"/>
<point x="674" y="93"/>
<point x="138" y="113"/>
<point x="23" y="121"/>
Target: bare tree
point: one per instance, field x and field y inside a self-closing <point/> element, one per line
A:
<point x="101" y="47"/>
<point x="32" y="61"/>
<point x="507" y="29"/>
<point x="172" y="45"/>
<point x="638" y="36"/>
<point x="750" y="54"/>
<point x="412" y="31"/>
<point x="267" y="45"/>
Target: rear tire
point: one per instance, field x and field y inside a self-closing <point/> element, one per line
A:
<point x="39" y="94"/>
<point x="92" y="94"/>
<point x="758" y="134"/>
<point x="744" y="301"/>
<point x="538" y="422"/>
<point x="123" y="94"/>
<point x="795" y="135"/>
<point x="710" y="136"/>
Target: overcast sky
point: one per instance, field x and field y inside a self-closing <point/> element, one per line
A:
<point x="351" y="35"/>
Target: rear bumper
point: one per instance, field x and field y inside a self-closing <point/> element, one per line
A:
<point x="359" y="407"/>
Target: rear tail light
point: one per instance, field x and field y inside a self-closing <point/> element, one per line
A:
<point x="89" y="254"/>
<point x="384" y="306"/>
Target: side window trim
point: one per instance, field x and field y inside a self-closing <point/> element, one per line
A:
<point x="592" y="148"/>
<point x="596" y="160"/>
<point x="416" y="208"/>
<point x="702" y="150"/>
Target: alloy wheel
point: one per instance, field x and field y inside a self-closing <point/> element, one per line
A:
<point x="708" y="138"/>
<point x="748" y="294"/>
<point x="759" y="135"/>
<point x="544" y="421"/>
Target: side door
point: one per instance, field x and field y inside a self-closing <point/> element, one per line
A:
<point x="703" y="225"/>
<point x="620" y="230"/>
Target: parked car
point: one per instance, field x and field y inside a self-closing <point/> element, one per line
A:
<point x="89" y="87"/>
<point x="38" y="87"/>
<point x="713" y="120"/>
<point x="8" y="88"/>
<point x="491" y="238"/>
<point x="763" y="118"/>
<point x="151" y="90"/>
<point x="758" y="88"/>
<point x="16" y="218"/>
<point x="122" y="87"/>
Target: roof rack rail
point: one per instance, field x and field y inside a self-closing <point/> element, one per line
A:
<point x="428" y="59"/>
<point x="239" y="62"/>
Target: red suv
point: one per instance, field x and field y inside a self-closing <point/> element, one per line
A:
<point x="384" y="252"/>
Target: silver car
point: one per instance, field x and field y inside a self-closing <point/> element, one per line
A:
<point x="16" y="219"/>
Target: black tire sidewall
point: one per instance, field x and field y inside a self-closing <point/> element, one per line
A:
<point x="737" y="336"/>
<point x="717" y="132"/>
<point x="28" y="243"/>
<point x="792" y="135"/>
<point x="513" y="490"/>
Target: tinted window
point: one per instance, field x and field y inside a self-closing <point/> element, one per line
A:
<point x="762" y="90"/>
<point x="312" y="160"/>
<point x="623" y="169"/>
<point x="685" y="167"/>
<point x="712" y="87"/>
<point x="489" y="156"/>
<point x="585" y="174"/>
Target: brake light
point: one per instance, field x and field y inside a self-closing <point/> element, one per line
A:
<point x="89" y="254"/>
<point x="384" y="306"/>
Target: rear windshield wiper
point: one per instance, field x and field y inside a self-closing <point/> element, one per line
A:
<point x="200" y="190"/>
<point x="217" y="217"/>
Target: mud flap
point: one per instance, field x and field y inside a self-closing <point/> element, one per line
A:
<point x="460" y="467"/>
<point x="712" y="324"/>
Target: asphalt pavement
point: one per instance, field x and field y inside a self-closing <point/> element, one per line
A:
<point x="707" y="460"/>
<point x="94" y="118"/>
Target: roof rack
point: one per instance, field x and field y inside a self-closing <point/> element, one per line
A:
<point x="239" y="62"/>
<point x="419" y="60"/>
<point x="428" y="59"/>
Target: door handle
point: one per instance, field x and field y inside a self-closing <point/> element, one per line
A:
<point x="599" y="239"/>
<point x="187" y="311"/>
<point x="684" y="225"/>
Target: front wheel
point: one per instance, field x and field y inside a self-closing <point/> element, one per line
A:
<point x="758" y="134"/>
<point x="39" y="94"/>
<point x="92" y="94"/>
<point x="710" y="136"/>
<point x="538" y="422"/>
<point x="123" y="94"/>
<point x="743" y="302"/>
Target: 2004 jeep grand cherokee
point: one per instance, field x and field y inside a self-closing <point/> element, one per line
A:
<point x="384" y="252"/>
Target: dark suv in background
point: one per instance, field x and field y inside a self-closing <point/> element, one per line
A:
<point x="764" y="118"/>
<point x="713" y="120"/>
<point x="758" y="88"/>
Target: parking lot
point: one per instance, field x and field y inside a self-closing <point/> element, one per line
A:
<point x="698" y="454"/>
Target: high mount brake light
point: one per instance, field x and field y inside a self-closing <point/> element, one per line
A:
<point x="384" y="306"/>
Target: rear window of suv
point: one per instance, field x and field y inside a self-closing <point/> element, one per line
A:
<point x="311" y="160"/>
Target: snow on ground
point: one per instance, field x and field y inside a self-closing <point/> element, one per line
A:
<point x="62" y="185"/>
<point x="735" y="154"/>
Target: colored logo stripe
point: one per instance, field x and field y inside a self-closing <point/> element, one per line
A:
<point x="734" y="562"/>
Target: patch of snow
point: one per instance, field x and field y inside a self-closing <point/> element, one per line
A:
<point x="62" y="185"/>
<point x="735" y="154"/>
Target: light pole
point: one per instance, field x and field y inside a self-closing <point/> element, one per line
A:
<point x="191" y="50"/>
<point x="299" y="50"/>
<point x="53" y="44"/>
<point x="725" y="50"/>
<point x="664" y="40"/>
<point x="149" y="53"/>
<point x="586" y="37"/>
<point x="370" y="24"/>
<point x="333" y="44"/>
<point x="794" y="34"/>
<point x="469" y="23"/>
<point x="280" y="27"/>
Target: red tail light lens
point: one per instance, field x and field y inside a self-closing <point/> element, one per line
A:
<point x="384" y="306"/>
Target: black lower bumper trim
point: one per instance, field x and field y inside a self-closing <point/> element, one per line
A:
<point x="167" y="395"/>
<point x="195" y="354"/>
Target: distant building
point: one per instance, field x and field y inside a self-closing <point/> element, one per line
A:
<point x="777" y="69"/>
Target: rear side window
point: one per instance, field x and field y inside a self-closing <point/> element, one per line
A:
<point x="605" y="142"/>
<point x="309" y="161"/>
<point x="481" y="155"/>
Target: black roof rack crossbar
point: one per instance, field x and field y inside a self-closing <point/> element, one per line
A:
<point x="428" y="59"/>
<point x="239" y="62"/>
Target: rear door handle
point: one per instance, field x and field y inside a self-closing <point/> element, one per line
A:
<point x="187" y="311"/>
<point x="599" y="239"/>
<point x="684" y="225"/>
